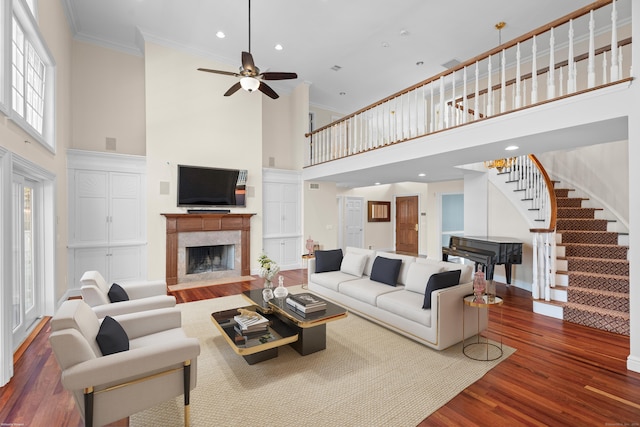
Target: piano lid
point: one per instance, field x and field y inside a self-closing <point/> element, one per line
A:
<point x="494" y="239"/>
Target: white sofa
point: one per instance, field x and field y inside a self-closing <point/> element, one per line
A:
<point x="399" y="307"/>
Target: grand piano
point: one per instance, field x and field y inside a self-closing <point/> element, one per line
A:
<point x="486" y="251"/>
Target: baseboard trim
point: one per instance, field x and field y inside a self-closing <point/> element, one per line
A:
<point x="633" y="363"/>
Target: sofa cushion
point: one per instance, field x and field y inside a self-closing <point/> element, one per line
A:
<point x="386" y="270"/>
<point x="331" y="279"/>
<point x="407" y="260"/>
<point x="328" y="260"/>
<point x="369" y="253"/>
<point x="117" y="293"/>
<point x="418" y="276"/>
<point x="466" y="274"/>
<point x="111" y="337"/>
<point x="440" y="281"/>
<point x="353" y="263"/>
<point x="366" y="290"/>
<point x="405" y="304"/>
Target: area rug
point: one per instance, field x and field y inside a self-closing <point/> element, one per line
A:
<point x="205" y="283"/>
<point x="367" y="376"/>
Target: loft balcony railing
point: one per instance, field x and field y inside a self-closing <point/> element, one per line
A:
<point x="585" y="50"/>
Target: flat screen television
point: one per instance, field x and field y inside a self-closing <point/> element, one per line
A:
<point x="204" y="186"/>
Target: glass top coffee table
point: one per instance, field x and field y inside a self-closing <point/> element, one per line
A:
<point x="254" y="347"/>
<point x="311" y="328"/>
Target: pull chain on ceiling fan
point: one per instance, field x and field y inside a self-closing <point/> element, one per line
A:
<point x="250" y="76"/>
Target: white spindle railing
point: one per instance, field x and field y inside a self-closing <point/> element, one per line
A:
<point x="443" y="101"/>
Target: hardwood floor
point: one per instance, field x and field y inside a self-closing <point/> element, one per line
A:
<point x="562" y="374"/>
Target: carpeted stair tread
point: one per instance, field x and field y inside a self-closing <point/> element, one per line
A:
<point x="582" y="224"/>
<point x="593" y="237"/>
<point x="569" y="202"/>
<point x="562" y="192"/>
<point x="608" y="282"/>
<point x="609" y="300"/>
<point x="595" y="251"/>
<point x="619" y="267"/>
<point x="595" y="317"/>
<point x="576" y="212"/>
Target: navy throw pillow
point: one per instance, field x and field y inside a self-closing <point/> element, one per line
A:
<point x="386" y="270"/>
<point x="328" y="260"/>
<point x="111" y="337"/>
<point x="440" y="281"/>
<point x="117" y="294"/>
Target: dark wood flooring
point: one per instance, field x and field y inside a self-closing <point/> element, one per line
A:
<point x="562" y="374"/>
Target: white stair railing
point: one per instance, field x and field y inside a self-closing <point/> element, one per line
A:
<point x="467" y="93"/>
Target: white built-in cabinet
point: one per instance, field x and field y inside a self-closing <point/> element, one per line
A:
<point x="107" y="229"/>
<point x="282" y="217"/>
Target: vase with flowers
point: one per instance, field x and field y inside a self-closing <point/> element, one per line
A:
<point x="268" y="270"/>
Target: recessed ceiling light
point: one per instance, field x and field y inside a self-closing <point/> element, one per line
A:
<point x="404" y="33"/>
<point x="278" y="47"/>
<point x="511" y="148"/>
<point x="377" y="183"/>
<point x="385" y="44"/>
<point x="422" y="174"/>
<point x="220" y="35"/>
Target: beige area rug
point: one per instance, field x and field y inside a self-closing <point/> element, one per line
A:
<point x="367" y="376"/>
<point x="205" y="283"/>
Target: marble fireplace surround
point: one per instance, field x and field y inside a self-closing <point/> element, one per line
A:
<point x="206" y="229"/>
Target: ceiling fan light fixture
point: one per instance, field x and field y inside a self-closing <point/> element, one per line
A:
<point x="249" y="84"/>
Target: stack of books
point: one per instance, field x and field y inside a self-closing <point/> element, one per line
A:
<point x="306" y="303"/>
<point x="254" y="323"/>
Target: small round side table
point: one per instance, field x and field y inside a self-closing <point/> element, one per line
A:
<point x="492" y="351"/>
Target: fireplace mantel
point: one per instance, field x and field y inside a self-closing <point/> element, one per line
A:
<point x="185" y="223"/>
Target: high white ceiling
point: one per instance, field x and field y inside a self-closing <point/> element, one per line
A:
<point x="320" y="34"/>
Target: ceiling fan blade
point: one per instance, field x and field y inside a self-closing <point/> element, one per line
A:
<point x="226" y="73"/>
<point x="233" y="89"/>
<point x="247" y="62"/>
<point x="267" y="91"/>
<point x="278" y="76"/>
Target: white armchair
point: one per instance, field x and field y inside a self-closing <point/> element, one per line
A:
<point x="159" y="365"/>
<point x="143" y="295"/>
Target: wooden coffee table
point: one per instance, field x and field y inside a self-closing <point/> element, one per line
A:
<point x="311" y="328"/>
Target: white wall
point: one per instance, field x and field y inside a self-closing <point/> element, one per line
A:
<point x="189" y="121"/>
<point x="582" y="168"/>
<point x="320" y="214"/>
<point x="107" y="100"/>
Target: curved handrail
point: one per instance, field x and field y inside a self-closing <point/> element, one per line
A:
<point x="553" y="204"/>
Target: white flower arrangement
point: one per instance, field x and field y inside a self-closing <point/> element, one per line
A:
<point x="268" y="268"/>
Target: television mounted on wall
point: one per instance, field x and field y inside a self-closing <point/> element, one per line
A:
<point x="205" y="186"/>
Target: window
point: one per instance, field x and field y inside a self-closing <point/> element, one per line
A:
<point x="32" y="77"/>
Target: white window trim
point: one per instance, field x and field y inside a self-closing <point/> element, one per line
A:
<point x="31" y="32"/>
<point x="5" y="57"/>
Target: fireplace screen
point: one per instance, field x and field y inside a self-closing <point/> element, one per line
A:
<point x="203" y="259"/>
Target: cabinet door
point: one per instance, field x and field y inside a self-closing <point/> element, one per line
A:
<point x="125" y="217"/>
<point x="126" y="263"/>
<point x="290" y="209"/>
<point x="272" y="209"/>
<point x="271" y="247"/>
<point x="91" y="208"/>
<point x="290" y="253"/>
<point x="89" y="259"/>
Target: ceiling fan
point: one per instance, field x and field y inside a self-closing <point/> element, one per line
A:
<point x="250" y="76"/>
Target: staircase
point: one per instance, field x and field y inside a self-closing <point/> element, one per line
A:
<point x="592" y="265"/>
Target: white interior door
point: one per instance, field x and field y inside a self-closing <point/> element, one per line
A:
<point x="354" y="222"/>
<point x="27" y="289"/>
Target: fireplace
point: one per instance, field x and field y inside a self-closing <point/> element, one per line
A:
<point x="204" y="259"/>
<point x="207" y="246"/>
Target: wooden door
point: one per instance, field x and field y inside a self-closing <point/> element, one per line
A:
<point x="407" y="224"/>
